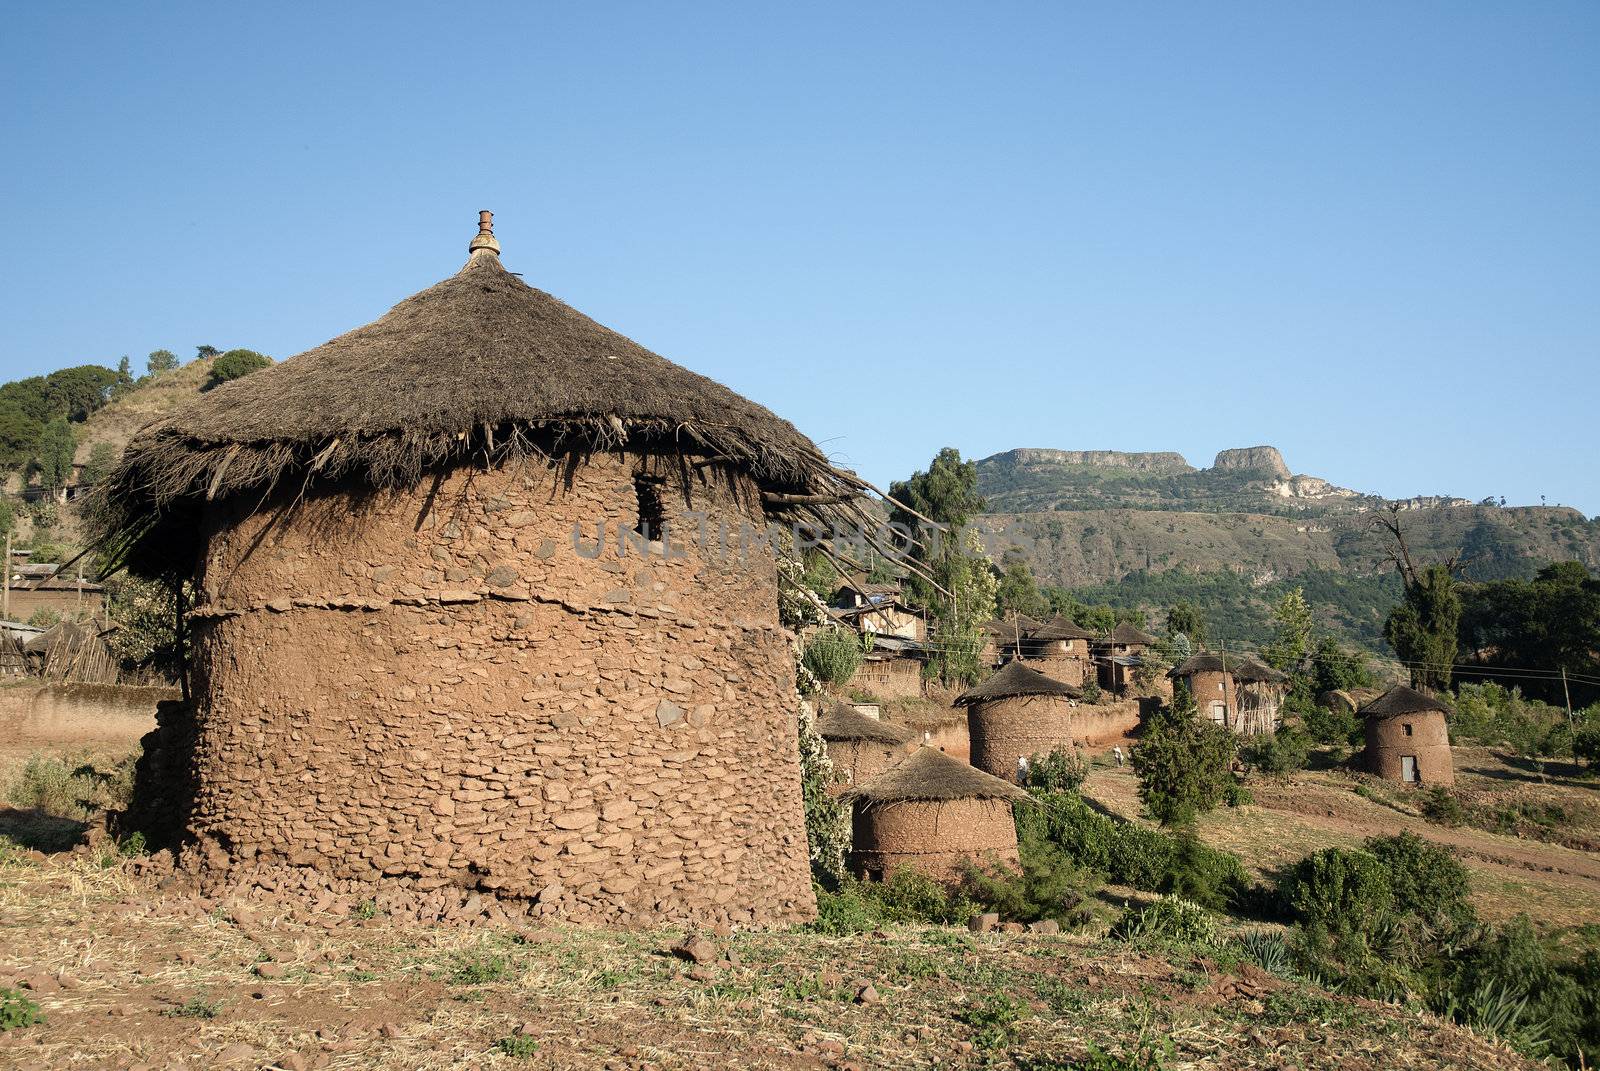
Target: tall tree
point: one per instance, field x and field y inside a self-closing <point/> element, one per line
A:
<point x="161" y="361"/>
<point x="1018" y="592"/>
<point x="202" y="352"/>
<point x="52" y="456"/>
<point x="1291" y="632"/>
<point x="1186" y="619"/>
<point x="1422" y="629"/>
<point x="961" y="594"/>
<point x="1183" y="762"/>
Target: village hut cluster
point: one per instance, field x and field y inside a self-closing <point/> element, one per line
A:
<point x="438" y="637"/>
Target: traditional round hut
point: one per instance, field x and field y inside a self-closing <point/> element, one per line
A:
<point x="1017" y="713"/>
<point x="1063" y="648"/>
<point x="934" y="814"/>
<point x="457" y="621"/>
<point x="1408" y="739"/>
<point x="861" y="747"/>
<point x="1209" y="677"/>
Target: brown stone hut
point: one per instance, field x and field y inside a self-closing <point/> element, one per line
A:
<point x="934" y="814"/>
<point x="1210" y="680"/>
<point x="1408" y="738"/>
<point x="1018" y="713"/>
<point x="1118" y="654"/>
<point x="861" y="747"/>
<point x="454" y="626"/>
<point x="1062" y="649"/>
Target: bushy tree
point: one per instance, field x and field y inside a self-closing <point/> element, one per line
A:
<point x="1422" y="629"/>
<point x="76" y="392"/>
<point x="1552" y="620"/>
<point x="1183" y="762"/>
<point x="202" y="353"/>
<point x="52" y="454"/>
<point x="235" y="364"/>
<point x="833" y="656"/>
<point x="102" y="459"/>
<point x="1291" y="632"/>
<point x="959" y="591"/>
<point x="1018" y="592"/>
<point x="1337" y="668"/>
<point x="161" y="361"/>
<point x="1185" y="619"/>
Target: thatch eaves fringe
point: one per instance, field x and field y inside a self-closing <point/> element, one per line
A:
<point x="930" y="774"/>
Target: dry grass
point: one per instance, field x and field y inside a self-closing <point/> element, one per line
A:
<point x="143" y="971"/>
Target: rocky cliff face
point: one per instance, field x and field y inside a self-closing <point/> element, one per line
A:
<point x="1253" y="459"/>
<point x="1160" y="462"/>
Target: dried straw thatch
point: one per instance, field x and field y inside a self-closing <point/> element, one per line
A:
<point x="1249" y="671"/>
<point x="479" y="368"/>
<point x="1059" y="627"/>
<point x="1129" y="636"/>
<point x="846" y="723"/>
<point x="1206" y="662"/>
<point x="1400" y="700"/>
<point x="930" y="774"/>
<point x="1015" y="679"/>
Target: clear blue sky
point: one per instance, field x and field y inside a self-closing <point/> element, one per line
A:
<point x="1365" y="233"/>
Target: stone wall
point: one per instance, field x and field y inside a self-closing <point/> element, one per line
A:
<point x="1064" y="660"/>
<point x="937" y="837"/>
<point x="1429" y="741"/>
<point x="42" y="714"/>
<point x="439" y="687"/>
<point x="1209" y="687"/>
<point x="1004" y="730"/>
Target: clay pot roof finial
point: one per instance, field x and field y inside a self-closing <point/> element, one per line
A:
<point x="485" y="239"/>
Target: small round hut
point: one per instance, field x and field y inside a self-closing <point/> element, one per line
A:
<point x="1017" y="713"/>
<point x="861" y="747"/>
<point x="1209" y="677"/>
<point x="934" y="814"/>
<point x="457" y="622"/>
<point x="1062" y="647"/>
<point x="1408" y="738"/>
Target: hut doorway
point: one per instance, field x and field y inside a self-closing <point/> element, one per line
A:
<point x="1219" y="712"/>
<point x="1408" y="769"/>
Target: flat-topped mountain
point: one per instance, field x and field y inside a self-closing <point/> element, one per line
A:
<point x="1251" y="479"/>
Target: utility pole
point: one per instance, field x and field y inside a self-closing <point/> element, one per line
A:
<point x="1572" y="729"/>
<point x="5" y="600"/>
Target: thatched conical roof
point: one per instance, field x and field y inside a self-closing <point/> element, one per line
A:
<point x="479" y="366"/>
<point x="1015" y="679"/>
<point x="842" y="722"/>
<point x="1205" y="662"/>
<point x="1060" y="627"/>
<point x="1128" y="635"/>
<point x="1249" y="671"/>
<point x="1400" y="700"/>
<point x="930" y="774"/>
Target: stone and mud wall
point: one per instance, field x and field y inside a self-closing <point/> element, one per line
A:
<point x="37" y="714"/>
<point x="1429" y="741"/>
<point x="1004" y="730"/>
<point x="856" y="762"/>
<point x="939" y="838"/>
<point x="438" y="687"/>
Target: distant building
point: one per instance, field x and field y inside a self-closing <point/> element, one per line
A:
<point x="933" y="814"/>
<point x="1062" y="648"/>
<point x="1118" y="654"/>
<point x="1408" y="738"/>
<point x="1234" y="691"/>
<point x="861" y="747"/>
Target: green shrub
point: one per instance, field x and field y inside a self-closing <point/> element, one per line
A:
<point x="993" y="1020"/>
<point x="833" y="656"/>
<point x="1426" y="881"/>
<point x="1336" y="888"/>
<point x="1183" y="763"/>
<point x="478" y="969"/>
<point x="1280" y="753"/>
<point x="518" y="1046"/>
<point x="1048" y="885"/>
<point x="1327" y="726"/>
<point x="1063" y="769"/>
<point x="905" y="896"/>
<point x="235" y="364"/>
<point x="1171" y="920"/>
<point x="1440" y="805"/>
<point x="1128" y="853"/>
<point x="17" y="1011"/>
<point x="1204" y="875"/>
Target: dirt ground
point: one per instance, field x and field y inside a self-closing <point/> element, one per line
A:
<point x="1291" y="817"/>
<point x="129" y="978"/>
